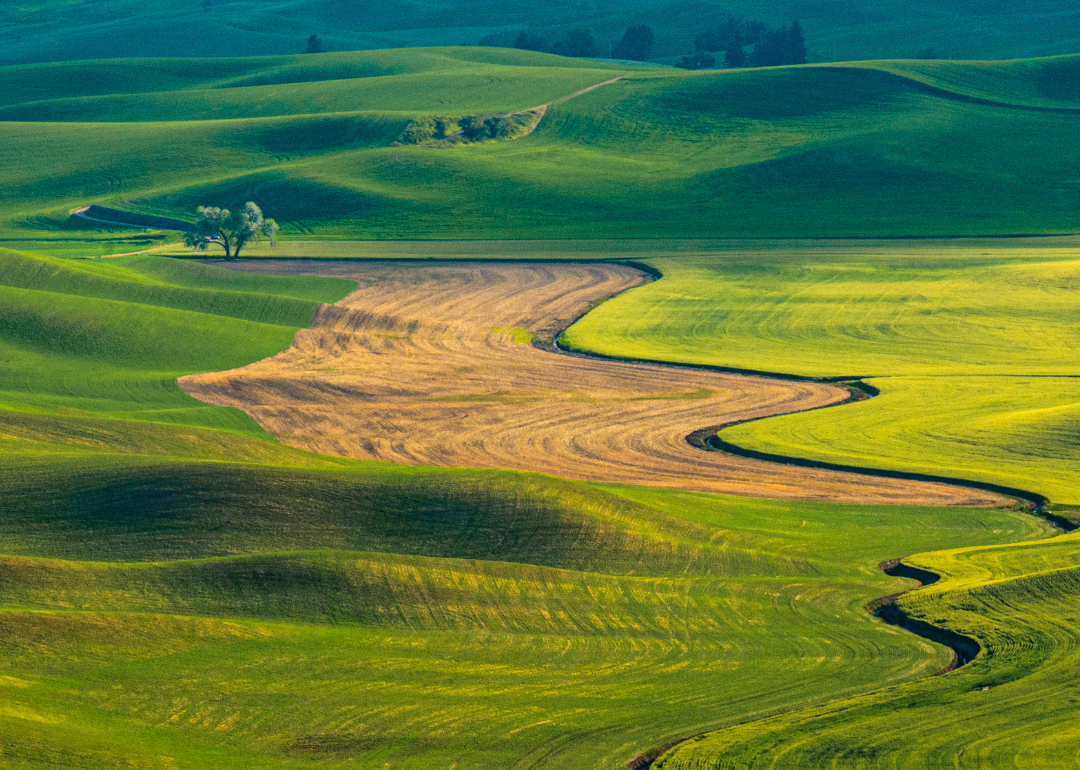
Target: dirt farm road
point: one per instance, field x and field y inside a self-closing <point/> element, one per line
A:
<point x="416" y="367"/>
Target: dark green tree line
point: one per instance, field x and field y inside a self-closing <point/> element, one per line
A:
<point x="732" y="34"/>
<point x="577" y="42"/>
<point x="771" y="47"/>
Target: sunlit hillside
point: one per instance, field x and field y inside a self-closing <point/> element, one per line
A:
<point x="873" y="149"/>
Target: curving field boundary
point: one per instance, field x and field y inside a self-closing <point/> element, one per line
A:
<point x="432" y="365"/>
<point x="710" y="439"/>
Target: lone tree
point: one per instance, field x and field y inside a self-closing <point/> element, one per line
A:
<point x="315" y="44"/>
<point x="796" y="44"/>
<point x="636" y="44"/>
<point x="231" y="231"/>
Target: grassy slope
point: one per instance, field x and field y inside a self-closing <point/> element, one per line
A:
<point x="179" y="591"/>
<point x="110" y="339"/>
<point x="424" y="81"/>
<point x="66" y="29"/>
<point x="1014" y="431"/>
<point x="856" y="310"/>
<point x="1012" y="707"/>
<point x="662" y="153"/>
<point x="1044" y="83"/>
<point x="971" y="348"/>
<point x="428" y="659"/>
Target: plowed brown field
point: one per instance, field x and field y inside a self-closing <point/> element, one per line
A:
<point x="419" y="366"/>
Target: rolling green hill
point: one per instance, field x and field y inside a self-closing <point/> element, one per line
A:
<point x="109" y="339"/>
<point x="414" y="81"/>
<point x="891" y="148"/>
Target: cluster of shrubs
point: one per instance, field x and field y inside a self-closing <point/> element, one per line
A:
<point x="424" y="129"/>
<point x="476" y="128"/>
<point x="472" y="128"/>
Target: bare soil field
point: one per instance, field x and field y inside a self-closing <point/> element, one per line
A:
<point x="432" y="365"/>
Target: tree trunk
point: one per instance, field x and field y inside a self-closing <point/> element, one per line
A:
<point x="241" y="242"/>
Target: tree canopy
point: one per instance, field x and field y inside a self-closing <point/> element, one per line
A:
<point x="636" y="44"/>
<point x="732" y="34"/>
<point x="786" y="45"/>
<point x="230" y="230"/>
<point x="578" y="42"/>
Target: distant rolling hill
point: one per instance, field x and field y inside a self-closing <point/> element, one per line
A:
<point x="52" y="30"/>
<point x="895" y="148"/>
